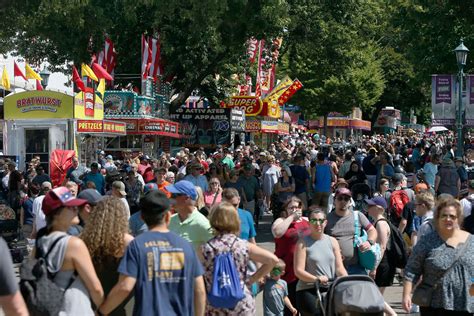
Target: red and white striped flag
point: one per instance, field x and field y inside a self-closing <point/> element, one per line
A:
<point x="107" y="57"/>
<point x="156" y="67"/>
<point x="146" y="57"/>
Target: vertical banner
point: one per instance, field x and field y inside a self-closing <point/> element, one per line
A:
<point x="258" y="84"/>
<point x="252" y="49"/>
<point x="469" y="102"/>
<point x="443" y="99"/>
<point x="89" y="102"/>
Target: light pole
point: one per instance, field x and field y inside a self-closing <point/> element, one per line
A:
<point x="45" y="73"/>
<point x="461" y="57"/>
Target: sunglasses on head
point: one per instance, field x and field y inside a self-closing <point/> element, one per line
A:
<point x="343" y="198"/>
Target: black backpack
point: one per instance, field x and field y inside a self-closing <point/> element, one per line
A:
<point x="41" y="294"/>
<point x="396" y="248"/>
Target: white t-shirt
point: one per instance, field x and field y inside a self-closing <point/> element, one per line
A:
<point x="40" y="218"/>
<point x="466" y="205"/>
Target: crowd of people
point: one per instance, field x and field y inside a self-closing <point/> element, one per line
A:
<point x="152" y="229"/>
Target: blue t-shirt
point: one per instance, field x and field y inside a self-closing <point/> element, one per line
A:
<point x="323" y="178"/>
<point x="165" y="266"/>
<point x="136" y="224"/>
<point x="98" y="180"/>
<point x="247" y="228"/>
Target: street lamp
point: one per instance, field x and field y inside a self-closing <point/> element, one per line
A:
<point x="461" y="57"/>
<point x="45" y="73"/>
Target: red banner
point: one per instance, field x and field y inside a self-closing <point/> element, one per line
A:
<point x="252" y="49"/>
<point x="152" y="127"/>
<point x="290" y="91"/>
<point x="89" y="101"/>
<point x="99" y="126"/>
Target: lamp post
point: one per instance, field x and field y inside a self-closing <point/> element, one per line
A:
<point x="461" y="57"/>
<point x="45" y="73"/>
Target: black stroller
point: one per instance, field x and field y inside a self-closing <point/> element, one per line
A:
<point x="353" y="295"/>
<point x="10" y="231"/>
<point x="361" y="192"/>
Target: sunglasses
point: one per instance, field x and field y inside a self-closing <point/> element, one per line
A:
<point x="343" y="198"/>
<point x="449" y="216"/>
<point x="315" y="221"/>
<point x="176" y="195"/>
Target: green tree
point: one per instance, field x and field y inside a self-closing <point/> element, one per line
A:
<point x="332" y="50"/>
<point x="203" y="42"/>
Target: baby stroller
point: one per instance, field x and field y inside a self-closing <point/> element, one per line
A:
<point x="353" y="295"/>
<point x="361" y="192"/>
<point x="10" y="231"/>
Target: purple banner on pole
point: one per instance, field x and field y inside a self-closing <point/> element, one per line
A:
<point x="443" y="86"/>
<point x="443" y="100"/>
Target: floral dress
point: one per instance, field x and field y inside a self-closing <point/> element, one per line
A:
<point x="240" y="252"/>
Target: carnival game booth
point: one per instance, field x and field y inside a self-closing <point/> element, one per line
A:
<point x="145" y="132"/>
<point x="210" y="127"/>
<point x="36" y="123"/>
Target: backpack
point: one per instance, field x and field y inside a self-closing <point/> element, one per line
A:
<point x="398" y="200"/>
<point x="42" y="296"/>
<point x="396" y="248"/>
<point x="226" y="290"/>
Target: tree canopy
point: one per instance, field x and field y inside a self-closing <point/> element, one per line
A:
<point x="347" y="53"/>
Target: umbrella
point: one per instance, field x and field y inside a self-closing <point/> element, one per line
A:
<point x="437" y="129"/>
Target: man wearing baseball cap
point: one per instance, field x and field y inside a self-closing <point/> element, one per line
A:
<point x="188" y="222"/>
<point x="162" y="267"/>
<point x="92" y="196"/>
<point x="340" y="225"/>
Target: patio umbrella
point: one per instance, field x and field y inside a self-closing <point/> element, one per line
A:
<point x="436" y="129"/>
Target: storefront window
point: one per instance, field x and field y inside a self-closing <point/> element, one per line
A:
<point x="37" y="144"/>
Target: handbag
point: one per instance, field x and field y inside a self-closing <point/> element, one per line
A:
<point x="370" y="258"/>
<point x="423" y="294"/>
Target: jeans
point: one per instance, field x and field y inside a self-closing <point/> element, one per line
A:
<point x="372" y="181"/>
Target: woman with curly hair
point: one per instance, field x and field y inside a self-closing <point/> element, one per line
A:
<point x="106" y="236"/>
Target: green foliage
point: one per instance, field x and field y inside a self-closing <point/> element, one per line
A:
<point x="347" y="53"/>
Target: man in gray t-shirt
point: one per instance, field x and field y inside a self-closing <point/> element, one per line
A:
<point x="340" y="225"/>
<point x="10" y="298"/>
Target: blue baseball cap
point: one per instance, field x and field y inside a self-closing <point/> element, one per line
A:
<point x="378" y="200"/>
<point x="183" y="187"/>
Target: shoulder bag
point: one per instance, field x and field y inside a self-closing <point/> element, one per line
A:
<point x="367" y="259"/>
<point x="423" y="293"/>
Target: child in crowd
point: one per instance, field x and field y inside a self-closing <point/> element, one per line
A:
<point x="275" y="293"/>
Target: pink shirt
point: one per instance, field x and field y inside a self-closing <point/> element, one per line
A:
<point x="209" y="197"/>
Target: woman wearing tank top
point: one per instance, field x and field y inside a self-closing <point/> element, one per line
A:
<point x="69" y="259"/>
<point x="317" y="259"/>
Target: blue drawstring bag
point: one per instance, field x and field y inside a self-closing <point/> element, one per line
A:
<point x="226" y="290"/>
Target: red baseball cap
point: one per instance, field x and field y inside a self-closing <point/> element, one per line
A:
<point x="60" y="197"/>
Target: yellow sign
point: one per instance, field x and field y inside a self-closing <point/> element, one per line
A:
<point x="38" y="105"/>
<point x="94" y="113"/>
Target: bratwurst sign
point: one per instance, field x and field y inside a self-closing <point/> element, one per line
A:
<point x="38" y="104"/>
